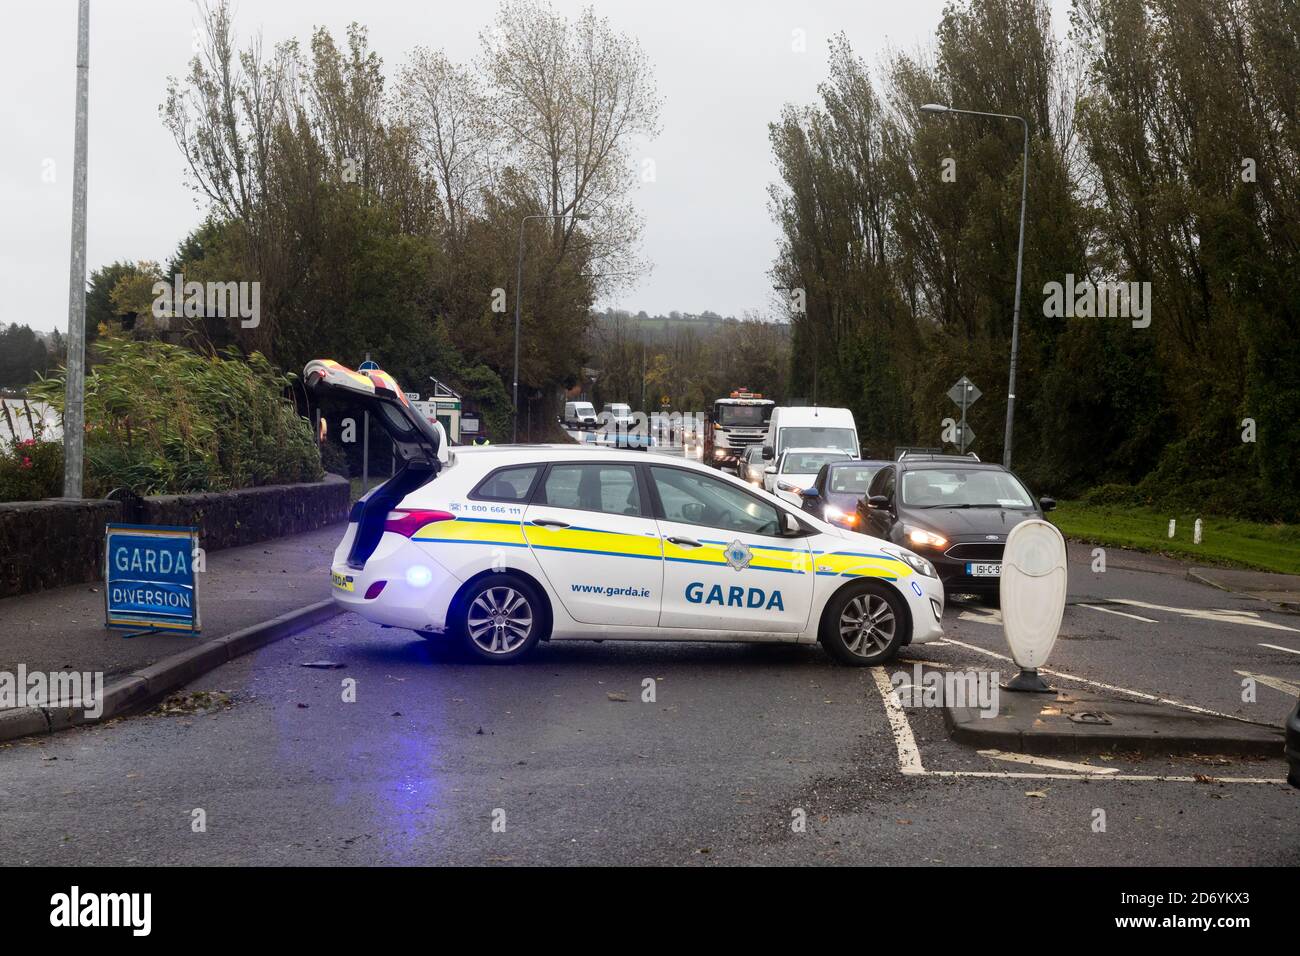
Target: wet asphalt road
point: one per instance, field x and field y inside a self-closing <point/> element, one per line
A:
<point x="738" y="742"/>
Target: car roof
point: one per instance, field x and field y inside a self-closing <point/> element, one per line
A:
<point x="817" y="451"/>
<point x="529" y="454"/>
<point x="878" y="462"/>
<point x="948" y="461"/>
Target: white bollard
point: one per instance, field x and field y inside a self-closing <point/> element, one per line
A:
<point x="1171" y="527"/>
<point x="1196" y="532"/>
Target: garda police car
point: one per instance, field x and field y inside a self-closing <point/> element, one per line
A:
<point x="503" y="546"/>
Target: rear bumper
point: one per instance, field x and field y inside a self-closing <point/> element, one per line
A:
<point x="408" y="587"/>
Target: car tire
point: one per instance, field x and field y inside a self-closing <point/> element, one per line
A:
<point x="500" y="618"/>
<point x="846" y="633"/>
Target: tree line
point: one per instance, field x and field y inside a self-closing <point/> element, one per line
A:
<point x="1163" y="143"/>
<point x="683" y="362"/>
<point x="383" y="213"/>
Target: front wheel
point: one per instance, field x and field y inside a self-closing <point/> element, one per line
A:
<point x="501" y="618"/>
<point x="864" y="625"/>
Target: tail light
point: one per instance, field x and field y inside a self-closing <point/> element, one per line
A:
<point x="407" y="522"/>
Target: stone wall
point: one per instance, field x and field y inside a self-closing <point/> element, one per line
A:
<point x="52" y="543"/>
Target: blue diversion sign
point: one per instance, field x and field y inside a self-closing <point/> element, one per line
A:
<point x="149" y="579"/>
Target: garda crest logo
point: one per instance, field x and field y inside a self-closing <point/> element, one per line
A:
<point x="738" y="555"/>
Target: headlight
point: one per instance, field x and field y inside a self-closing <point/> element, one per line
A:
<point x="840" y="516"/>
<point x="914" y="561"/>
<point x="922" y="538"/>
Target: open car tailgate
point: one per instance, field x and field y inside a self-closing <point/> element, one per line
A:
<point x="376" y="392"/>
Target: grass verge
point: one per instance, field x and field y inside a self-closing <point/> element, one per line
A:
<point x="1224" y="541"/>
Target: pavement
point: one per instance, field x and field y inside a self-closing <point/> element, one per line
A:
<point x="1282" y="590"/>
<point x="403" y="752"/>
<point x="248" y="597"/>
<point x="64" y="627"/>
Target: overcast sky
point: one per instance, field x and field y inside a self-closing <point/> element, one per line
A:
<point x="724" y="70"/>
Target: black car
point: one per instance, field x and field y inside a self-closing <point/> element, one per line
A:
<point x="955" y="510"/>
<point x="839" y="486"/>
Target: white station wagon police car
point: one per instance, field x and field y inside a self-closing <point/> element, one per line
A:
<point x="503" y="546"/>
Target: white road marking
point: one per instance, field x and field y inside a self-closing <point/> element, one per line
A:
<point x="1133" y="777"/>
<point x="1277" y="683"/>
<point x="1048" y="762"/>
<point x="1279" y="647"/>
<point x="1217" y="617"/>
<point x="1111" y="687"/>
<point x="909" y="756"/>
<point x="1110" y="610"/>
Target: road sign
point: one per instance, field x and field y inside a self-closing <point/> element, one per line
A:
<point x="149" y="579"/>
<point x="964" y="394"/>
<point x="368" y="366"/>
<point x="412" y="396"/>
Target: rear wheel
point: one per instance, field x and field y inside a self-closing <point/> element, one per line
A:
<point x="500" y="618"/>
<point x="864" y="625"/>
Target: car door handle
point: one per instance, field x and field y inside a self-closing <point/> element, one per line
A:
<point x="549" y="523"/>
<point x="685" y="542"/>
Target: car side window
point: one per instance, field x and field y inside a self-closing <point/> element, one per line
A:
<point x="609" y="489"/>
<point x="691" y="498"/>
<point x="883" y="483"/>
<point x="507" y="484"/>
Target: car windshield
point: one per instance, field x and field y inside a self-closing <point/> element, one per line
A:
<point x="755" y="415"/>
<point x="619" y="409"/>
<point x="582" y="408"/>
<point x="852" y="479"/>
<point x="809" y="462"/>
<point x="814" y="436"/>
<point x="964" y="488"/>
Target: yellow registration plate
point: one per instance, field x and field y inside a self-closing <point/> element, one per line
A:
<point x="342" y="581"/>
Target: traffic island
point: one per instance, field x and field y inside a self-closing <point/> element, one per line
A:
<point x="1087" y="722"/>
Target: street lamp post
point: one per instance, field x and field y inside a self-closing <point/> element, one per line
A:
<point x="519" y="293"/>
<point x="1020" y="258"/>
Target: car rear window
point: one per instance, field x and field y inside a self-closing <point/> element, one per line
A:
<point x="507" y="484"/>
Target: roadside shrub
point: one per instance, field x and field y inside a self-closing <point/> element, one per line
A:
<point x="1114" y="494"/>
<point x="31" y="470"/>
<point x="161" y="419"/>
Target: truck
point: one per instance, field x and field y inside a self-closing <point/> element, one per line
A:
<point x="732" y="425"/>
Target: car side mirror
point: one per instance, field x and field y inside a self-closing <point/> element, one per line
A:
<point x="1047" y="504"/>
<point x="768" y="454"/>
<point x="812" y="494"/>
<point x="791" y="523"/>
<point x="770" y="470"/>
<point x="878" y="501"/>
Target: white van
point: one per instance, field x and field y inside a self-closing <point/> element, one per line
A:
<point x="579" y="415"/>
<point x="811" y="426"/>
